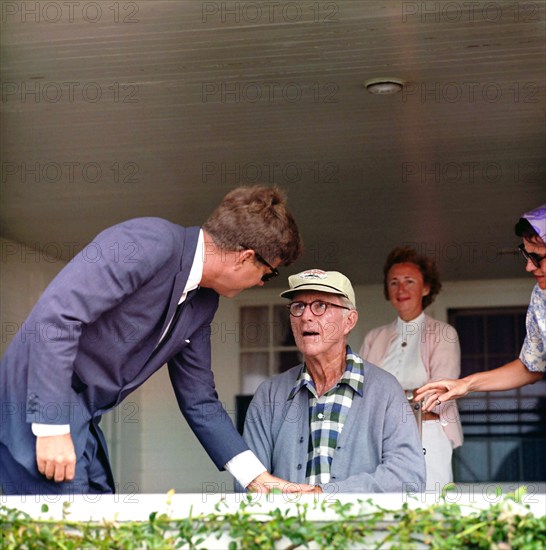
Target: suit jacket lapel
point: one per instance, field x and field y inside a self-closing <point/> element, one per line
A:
<point x="190" y="242"/>
<point x="152" y="363"/>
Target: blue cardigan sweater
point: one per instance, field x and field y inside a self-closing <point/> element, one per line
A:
<point x="379" y="449"/>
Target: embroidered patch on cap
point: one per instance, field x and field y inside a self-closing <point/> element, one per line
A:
<point x="313" y="274"/>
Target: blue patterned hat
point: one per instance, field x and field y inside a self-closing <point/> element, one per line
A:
<point x="537" y="219"/>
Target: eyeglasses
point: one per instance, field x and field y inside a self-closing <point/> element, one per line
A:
<point x="318" y="307"/>
<point x="535" y="258"/>
<point x="274" y="270"/>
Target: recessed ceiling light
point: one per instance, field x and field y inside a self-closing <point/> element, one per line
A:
<point x="384" y="86"/>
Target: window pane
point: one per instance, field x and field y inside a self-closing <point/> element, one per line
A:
<point x="285" y="360"/>
<point x="471" y="461"/>
<point x="533" y="452"/>
<point x="505" y="460"/>
<point x="497" y="360"/>
<point x="253" y="371"/>
<point x="471" y="335"/>
<point x="501" y="334"/>
<point x="254" y="327"/>
<point x="504" y="430"/>
<point x="282" y="333"/>
<point x="470" y="365"/>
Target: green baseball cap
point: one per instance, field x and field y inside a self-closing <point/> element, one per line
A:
<point x="332" y="282"/>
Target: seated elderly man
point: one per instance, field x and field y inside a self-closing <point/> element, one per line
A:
<point x="335" y="419"/>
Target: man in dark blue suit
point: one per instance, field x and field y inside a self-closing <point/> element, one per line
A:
<point x="142" y="294"/>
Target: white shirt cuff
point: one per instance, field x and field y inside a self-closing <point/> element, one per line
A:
<point x="245" y="467"/>
<point x="45" y="430"/>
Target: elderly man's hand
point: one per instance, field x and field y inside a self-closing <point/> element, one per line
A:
<point x="266" y="483"/>
<point x="55" y="457"/>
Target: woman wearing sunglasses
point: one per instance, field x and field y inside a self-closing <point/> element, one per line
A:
<point x="529" y="367"/>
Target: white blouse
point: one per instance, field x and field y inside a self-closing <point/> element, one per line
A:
<point x="403" y="359"/>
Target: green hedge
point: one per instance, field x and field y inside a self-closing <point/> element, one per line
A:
<point x="505" y="525"/>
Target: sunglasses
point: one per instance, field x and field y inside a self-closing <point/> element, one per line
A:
<point x="535" y="258"/>
<point x="268" y="276"/>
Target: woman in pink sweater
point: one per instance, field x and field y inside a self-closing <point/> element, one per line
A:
<point x="417" y="349"/>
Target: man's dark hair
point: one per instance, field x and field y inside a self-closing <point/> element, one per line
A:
<point x="256" y="217"/>
<point x="525" y="230"/>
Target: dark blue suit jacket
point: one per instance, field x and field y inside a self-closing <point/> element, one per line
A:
<point x="92" y="338"/>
